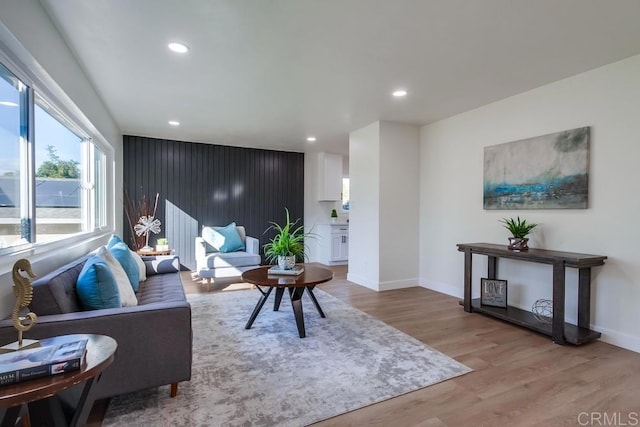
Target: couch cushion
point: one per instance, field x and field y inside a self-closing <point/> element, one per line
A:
<point x="142" y="269"/>
<point x="127" y="297"/>
<point x="121" y="252"/>
<point x="224" y="239"/>
<point x="161" y="288"/>
<point x="96" y="286"/>
<point x="231" y="259"/>
<point x="55" y="292"/>
<point x="113" y="240"/>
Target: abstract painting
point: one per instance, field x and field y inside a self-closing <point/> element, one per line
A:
<point x="544" y="172"/>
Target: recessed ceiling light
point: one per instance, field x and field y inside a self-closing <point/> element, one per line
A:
<point x="174" y="123"/>
<point x="8" y="103"/>
<point x="311" y="139"/>
<point x="400" y="93"/>
<point x="178" y="47"/>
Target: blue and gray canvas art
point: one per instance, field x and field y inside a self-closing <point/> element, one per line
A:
<point x="544" y="172"/>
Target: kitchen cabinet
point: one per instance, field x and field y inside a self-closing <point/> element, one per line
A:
<point x="330" y="177"/>
<point x="334" y="244"/>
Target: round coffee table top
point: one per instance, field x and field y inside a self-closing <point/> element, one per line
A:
<point x="312" y="275"/>
<point x="100" y="354"/>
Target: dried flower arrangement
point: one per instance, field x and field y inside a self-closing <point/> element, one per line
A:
<point x="136" y="210"/>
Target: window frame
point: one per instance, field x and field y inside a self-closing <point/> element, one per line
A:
<point x="70" y="115"/>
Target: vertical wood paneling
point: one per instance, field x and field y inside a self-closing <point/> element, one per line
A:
<point x="204" y="184"/>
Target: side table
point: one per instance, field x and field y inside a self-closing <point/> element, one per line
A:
<point x="46" y="397"/>
<point x="154" y="252"/>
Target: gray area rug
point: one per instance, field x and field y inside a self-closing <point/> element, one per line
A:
<point x="267" y="376"/>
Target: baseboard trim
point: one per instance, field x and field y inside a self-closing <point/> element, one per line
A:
<point x="362" y="281"/>
<point x="619" y="339"/>
<point x="444" y="288"/>
<point x="398" y="284"/>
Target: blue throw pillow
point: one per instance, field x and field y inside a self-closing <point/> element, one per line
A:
<point x="96" y="285"/>
<point x="224" y="239"/>
<point x="115" y="239"/>
<point x="121" y="252"/>
<point x="230" y="240"/>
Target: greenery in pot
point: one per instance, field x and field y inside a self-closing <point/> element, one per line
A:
<point x="518" y="228"/>
<point x="334" y="213"/>
<point x="288" y="241"/>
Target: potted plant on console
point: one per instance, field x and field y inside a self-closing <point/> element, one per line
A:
<point x="288" y="243"/>
<point x="519" y="230"/>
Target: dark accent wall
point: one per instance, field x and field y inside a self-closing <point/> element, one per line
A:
<point x="205" y="184"/>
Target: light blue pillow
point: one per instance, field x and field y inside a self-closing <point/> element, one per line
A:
<point x="96" y="286"/>
<point x="115" y="239"/>
<point x="121" y="252"/>
<point x="224" y="239"/>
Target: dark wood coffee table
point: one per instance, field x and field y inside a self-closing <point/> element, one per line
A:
<point x="44" y="396"/>
<point x="296" y="286"/>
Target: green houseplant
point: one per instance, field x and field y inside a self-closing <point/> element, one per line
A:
<point x="334" y="215"/>
<point x="287" y="244"/>
<point x="519" y="229"/>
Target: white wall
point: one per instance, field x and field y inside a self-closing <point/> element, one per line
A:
<point x="364" y="215"/>
<point x="31" y="41"/>
<point x="383" y="218"/>
<point x="451" y="209"/>
<point x="399" y="205"/>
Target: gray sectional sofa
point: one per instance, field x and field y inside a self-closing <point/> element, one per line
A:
<point x="154" y="338"/>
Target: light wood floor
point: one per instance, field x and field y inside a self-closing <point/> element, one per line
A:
<point x="519" y="377"/>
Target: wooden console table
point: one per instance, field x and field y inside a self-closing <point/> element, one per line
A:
<point x="559" y="330"/>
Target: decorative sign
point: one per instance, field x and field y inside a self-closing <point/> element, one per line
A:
<point x="493" y="292"/>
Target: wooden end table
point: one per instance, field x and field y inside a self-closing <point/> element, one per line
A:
<point x="296" y="285"/>
<point x="43" y="396"/>
<point x="154" y="252"/>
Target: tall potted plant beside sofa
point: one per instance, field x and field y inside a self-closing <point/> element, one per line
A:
<point x="287" y="244"/>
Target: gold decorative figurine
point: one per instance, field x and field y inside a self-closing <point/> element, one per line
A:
<point x="23" y="291"/>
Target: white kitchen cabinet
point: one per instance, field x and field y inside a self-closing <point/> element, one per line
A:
<point x="330" y="179"/>
<point x="334" y="244"/>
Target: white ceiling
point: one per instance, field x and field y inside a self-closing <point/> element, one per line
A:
<point x="269" y="73"/>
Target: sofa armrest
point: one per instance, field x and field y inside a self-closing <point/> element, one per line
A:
<point x="252" y="245"/>
<point x="160" y="264"/>
<point x="201" y="248"/>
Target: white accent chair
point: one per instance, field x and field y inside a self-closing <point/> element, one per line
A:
<point x="212" y="264"/>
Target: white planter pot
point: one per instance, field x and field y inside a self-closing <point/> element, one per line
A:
<point x="286" y="262"/>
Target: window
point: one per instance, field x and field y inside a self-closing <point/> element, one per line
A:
<point x="345" y="194"/>
<point x="13" y="161"/>
<point x="52" y="176"/>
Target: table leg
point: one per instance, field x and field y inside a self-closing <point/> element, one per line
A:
<point x="557" y="328"/>
<point x="10" y="416"/>
<point x="315" y="301"/>
<point x="467" y="280"/>
<point x="584" y="297"/>
<point x="256" y="310"/>
<point x="276" y="303"/>
<point x="492" y="267"/>
<point x="296" y="304"/>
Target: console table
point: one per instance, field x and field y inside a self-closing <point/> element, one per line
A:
<point x="559" y="330"/>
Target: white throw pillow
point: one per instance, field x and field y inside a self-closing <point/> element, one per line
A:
<point x="127" y="296"/>
<point x="142" y="268"/>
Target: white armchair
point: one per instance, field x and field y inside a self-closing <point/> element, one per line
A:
<point x="212" y="264"/>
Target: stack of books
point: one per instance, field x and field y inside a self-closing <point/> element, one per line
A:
<point x="295" y="271"/>
<point x="39" y="362"/>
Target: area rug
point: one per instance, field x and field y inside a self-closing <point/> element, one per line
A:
<point x="268" y="376"/>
